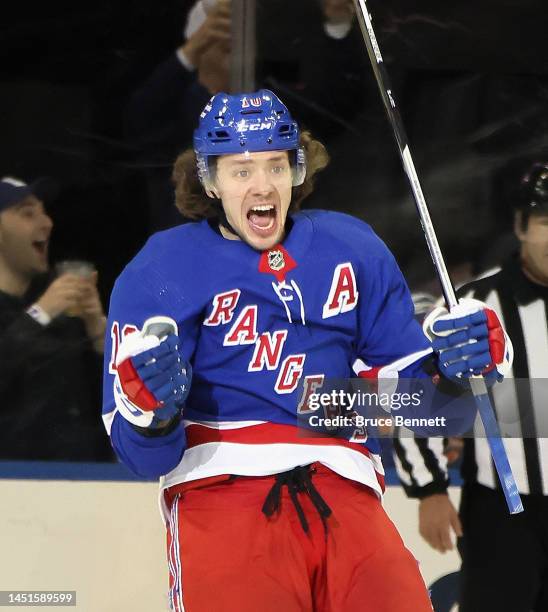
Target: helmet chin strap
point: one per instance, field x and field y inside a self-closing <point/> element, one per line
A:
<point x="223" y="221"/>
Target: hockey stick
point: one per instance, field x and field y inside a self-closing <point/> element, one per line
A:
<point x="477" y="383"/>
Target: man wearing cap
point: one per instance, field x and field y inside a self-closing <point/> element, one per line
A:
<point x="50" y="362"/>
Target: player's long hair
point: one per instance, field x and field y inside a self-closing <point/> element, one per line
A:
<point x="193" y="203"/>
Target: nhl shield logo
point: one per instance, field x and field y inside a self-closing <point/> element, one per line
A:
<point x="276" y="260"/>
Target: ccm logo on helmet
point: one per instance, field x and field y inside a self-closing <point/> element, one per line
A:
<point x="254" y="127"/>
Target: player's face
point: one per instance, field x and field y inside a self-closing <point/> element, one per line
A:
<point x="534" y="248"/>
<point x="255" y="189"/>
<point x="25" y="230"/>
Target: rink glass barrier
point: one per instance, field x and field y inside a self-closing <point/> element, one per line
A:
<point x="108" y="119"/>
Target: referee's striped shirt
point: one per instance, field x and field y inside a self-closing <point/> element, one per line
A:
<point x="521" y="408"/>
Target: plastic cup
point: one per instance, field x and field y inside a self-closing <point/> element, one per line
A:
<point x="81" y="268"/>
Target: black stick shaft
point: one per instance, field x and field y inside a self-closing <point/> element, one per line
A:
<point x="385" y="88"/>
<point x="479" y="388"/>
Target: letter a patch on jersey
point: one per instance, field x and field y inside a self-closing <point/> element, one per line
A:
<point x="343" y="295"/>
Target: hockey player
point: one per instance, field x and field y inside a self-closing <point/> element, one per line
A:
<point x="255" y="299"/>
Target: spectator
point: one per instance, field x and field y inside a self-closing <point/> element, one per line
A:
<point x="162" y="113"/>
<point x="51" y="362"/>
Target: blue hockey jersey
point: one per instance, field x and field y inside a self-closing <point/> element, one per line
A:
<point x="328" y="302"/>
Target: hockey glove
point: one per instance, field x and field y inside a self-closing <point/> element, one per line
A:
<point x="153" y="379"/>
<point x="469" y="340"/>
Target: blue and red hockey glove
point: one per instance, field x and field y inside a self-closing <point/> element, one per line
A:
<point x="152" y="377"/>
<point x="468" y="341"/>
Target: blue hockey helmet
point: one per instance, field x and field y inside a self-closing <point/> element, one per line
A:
<point x="246" y="123"/>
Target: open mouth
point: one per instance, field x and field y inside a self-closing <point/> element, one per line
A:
<point x="262" y="219"/>
<point x="41" y="247"/>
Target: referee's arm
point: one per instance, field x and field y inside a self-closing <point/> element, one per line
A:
<point x="422" y="469"/>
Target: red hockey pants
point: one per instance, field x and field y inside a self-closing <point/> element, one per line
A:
<point x="226" y="555"/>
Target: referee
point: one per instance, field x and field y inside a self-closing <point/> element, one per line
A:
<point x="504" y="557"/>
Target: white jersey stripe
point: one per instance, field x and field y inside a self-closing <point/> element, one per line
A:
<point x="543" y="454"/>
<point x="516" y="456"/>
<point x="419" y="470"/>
<point x="174" y="560"/>
<point x="505" y="396"/>
<point x="402" y="472"/>
<point x="483" y="460"/>
<point x="223" y="424"/>
<point x="213" y="458"/>
<point x="178" y="568"/>
<point x="170" y="556"/>
<point x="533" y="318"/>
<point x="506" y="405"/>
<point x="535" y="332"/>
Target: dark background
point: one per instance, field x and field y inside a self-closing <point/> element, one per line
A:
<point x="471" y="80"/>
